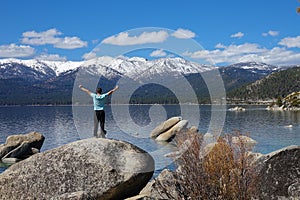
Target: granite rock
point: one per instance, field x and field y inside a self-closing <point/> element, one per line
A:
<point x="96" y="168"/>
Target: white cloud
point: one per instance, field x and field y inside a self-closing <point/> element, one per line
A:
<point x="49" y="33"/>
<point x="220" y="46"/>
<point x="158" y="53"/>
<point x="41" y="38"/>
<point x="271" y="33"/>
<point x="183" y="34"/>
<point x="245" y="53"/>
<point x="202" y="54"/>
<point x="232" y="52"/>
<point x="51" y="57"/>
<point x="51" y="37"/>
<point x="280" y="56"/>
<point x="123" y="39"/>
<point x="16" y="51"/>
<point x="237" y="35"/>
<point x="70" y="43"/>
<point x="90" y="55"/>
<point x="290" y="42"/>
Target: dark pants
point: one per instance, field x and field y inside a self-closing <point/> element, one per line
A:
<point x="99" y="117"/>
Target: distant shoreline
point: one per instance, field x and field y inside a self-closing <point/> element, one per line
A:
<point x="184" y="104"/>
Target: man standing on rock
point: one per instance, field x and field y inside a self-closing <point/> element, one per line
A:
<point x="99" y="101"/>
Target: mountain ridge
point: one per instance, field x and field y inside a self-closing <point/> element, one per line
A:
<point x="126" y="65"/>
<point x="275" y="85"/>
<point x="54" y="80"/>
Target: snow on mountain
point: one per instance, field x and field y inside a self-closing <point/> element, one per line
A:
<point x="255" y="66"/>
<point x="42" y="66"/>
<point x="25" y="69"/>
<point x="62" y="66"/>
<point x="33" y="64"/>
<point x="136" y="66"/>
<point x="181" y="65"/>
<point x="110" y="67"/>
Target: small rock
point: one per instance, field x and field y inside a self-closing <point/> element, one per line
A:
<point x="164" y="126"/>
<point x="169" y="134"/>
<point x="237" y="108"/>
<point x="20" y="146"/>
<point x="246" y="141"/>
<point x="10" y="160"/>
<point x="193" y="129"/>
<point x="294" y="190"/>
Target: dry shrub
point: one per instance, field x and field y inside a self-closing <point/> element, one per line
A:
<point x="225" y="172"/>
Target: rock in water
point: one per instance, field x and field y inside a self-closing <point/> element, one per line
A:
<point x="21" y="146"/>
<point x="164" y="126"/>
<point x="279" y="173"/>
<point x="20" y="152"/>
<point x="96" y="168"/>
<point x="169" y="134"/>
<point x="36" y="139"/>
<point x="237" y="108"/>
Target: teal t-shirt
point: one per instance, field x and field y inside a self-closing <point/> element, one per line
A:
<point x="99" y="101"/>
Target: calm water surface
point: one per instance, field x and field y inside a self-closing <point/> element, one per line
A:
<point x="272" y="130"/>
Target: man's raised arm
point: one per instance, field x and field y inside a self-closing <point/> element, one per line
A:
<point x="85" y="90"/>
<point x="113" y="90"/>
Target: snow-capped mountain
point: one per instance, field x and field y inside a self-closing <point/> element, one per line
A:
<point x="52" y="81"/>
<point x="122" y="66"/>
<point x="256" y="67"/>
<point x="244" y="73"/>
<point x="41" y="66"/>
<point x="102" y="66"/>
<point x="136" y="66"/>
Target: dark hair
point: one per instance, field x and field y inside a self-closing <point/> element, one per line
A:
<point x="99" y="90"/>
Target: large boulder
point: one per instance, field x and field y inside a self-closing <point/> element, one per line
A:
<point x="94" y="168"/>
<point x="21" y="146"/>
<point x="279" y="174"/>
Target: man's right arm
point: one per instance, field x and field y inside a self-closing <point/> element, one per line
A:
<point x="85" y="90"/>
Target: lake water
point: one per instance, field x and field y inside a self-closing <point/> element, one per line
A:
<point x="63" y="124"/>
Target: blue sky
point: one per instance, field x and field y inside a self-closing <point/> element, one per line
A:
<point x="229" y="31"/>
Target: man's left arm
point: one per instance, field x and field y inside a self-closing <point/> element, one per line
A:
<point x="113" y="90"/>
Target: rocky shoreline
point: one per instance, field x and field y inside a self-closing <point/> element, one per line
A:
<point x="290" y="102"/>
<point x="98" y="168"/>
